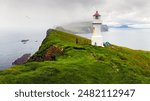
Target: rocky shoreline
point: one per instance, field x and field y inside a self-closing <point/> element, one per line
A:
<point x="23" y="59"/>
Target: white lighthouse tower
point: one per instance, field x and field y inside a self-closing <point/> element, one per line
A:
<point x="97" y="38"/>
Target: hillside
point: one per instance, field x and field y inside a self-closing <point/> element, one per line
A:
<point x="68" y="59"/>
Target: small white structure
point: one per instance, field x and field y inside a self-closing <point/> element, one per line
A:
<point x="97" y="38"/>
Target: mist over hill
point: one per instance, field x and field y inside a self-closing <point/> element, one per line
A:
<point x="80" y="27"/>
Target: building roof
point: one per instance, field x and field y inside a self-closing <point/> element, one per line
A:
<point x="97" y="14"/>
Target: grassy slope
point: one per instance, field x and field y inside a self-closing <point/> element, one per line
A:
<point x="82" y="63"/>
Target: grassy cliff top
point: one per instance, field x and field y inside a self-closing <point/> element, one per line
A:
<point x="66" y="58"/>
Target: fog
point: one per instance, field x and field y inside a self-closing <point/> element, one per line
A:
<point x="17" y="14"/>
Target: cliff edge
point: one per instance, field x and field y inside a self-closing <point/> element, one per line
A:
<point x="65" y="58"/>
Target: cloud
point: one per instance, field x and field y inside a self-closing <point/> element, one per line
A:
<point x="127" y="11"/>
<point x="49" y="13"/>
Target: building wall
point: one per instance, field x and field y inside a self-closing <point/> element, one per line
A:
<point x="96" y="29"/>
<point x="97" y="38"/>
<point x="97" y="41"/>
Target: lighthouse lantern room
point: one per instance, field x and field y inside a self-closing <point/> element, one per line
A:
<point x="97" y="38"/>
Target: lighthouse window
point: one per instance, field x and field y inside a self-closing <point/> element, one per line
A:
<point x="97" y="17"/>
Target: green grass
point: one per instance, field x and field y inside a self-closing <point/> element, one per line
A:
<point x="81" y="64"/>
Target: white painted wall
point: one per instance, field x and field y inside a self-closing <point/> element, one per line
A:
<point x="97" y="38"/>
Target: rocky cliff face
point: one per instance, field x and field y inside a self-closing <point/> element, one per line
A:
<point x="23" y="59"/>
<point x="52" y="45"/>
<point x="52" y="52"/>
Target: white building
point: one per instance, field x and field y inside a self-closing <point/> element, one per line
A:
<point x="97" y="38"/>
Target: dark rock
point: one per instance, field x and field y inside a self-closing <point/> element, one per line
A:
<point x="24" y="41"/>
<point x="23" y="59"/>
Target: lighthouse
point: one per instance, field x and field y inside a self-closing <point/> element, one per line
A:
<point x="97" y="38"/>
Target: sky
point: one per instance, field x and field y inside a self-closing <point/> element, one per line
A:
<point x="51" y="13"/>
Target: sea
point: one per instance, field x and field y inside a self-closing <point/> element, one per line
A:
<point x="12" y="48"/>
<point x="138" y="39"/>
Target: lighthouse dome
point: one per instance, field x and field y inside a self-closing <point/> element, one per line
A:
<point x="97" y="14"/>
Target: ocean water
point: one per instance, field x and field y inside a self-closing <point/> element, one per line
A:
<point x="138" y="39"/>
<point x="12" y="48"/>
